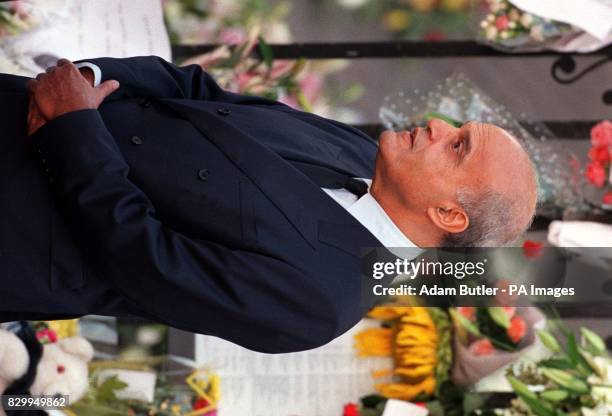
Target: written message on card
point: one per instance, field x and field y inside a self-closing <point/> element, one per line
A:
<point x="311" y="383"/>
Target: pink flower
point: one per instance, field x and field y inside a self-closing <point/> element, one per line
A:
<point x="232" y="36"/>
<point x="311" y="86"/>
<point x="601" y="134"/>
<point x="600" y="154"/>
<point x="607" y="198"/>
<point x="468" y="311"/>
<point x="482" y="347"/>
<point x="46" y="335"/>
<point x="280" y="69"/>
<point x="532" y="248"/>
<point x="290" y="101"/>
<point x="517" y="329"/>
<point x="501" y="22"/>
<point x="596" y="174"/>
<point x="510" y="310"/>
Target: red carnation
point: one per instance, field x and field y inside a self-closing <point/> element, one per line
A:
<point x="351" y="409"/>
<point x="46" y="335"/>
<point x="482" y="347"/>
<point x="532" y="248"/>
<point x="599" y="154"/>
<point x="596" y="174"/>
<point x="517" y="329"/>
<point x="501" y="23"/>
<point x="607" y="198"/>
<point x="601" y="134"/>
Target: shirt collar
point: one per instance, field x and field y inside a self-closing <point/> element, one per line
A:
<point x="372" y="216"/>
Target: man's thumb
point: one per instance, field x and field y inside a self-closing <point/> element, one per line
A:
<point x="107" y="88"/>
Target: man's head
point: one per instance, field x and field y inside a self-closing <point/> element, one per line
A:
<point x="447" y="186"/>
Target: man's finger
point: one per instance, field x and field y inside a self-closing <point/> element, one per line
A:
<point x="41" y="76"/>
<point x="32" y="85"/>
<point x="106" y="88"/>
<point x="50" y="69"/>
<point x="63" y="62"/>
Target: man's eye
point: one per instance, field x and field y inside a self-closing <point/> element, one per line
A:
<point x="457" y="145"/>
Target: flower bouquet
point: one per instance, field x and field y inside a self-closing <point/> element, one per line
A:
<point x="522" y="26"/>
<point x="488" y="338"/>
<point x="576" y="380"/>
<point x="15" y="17"/>
<point x="598" y="171"/>
<point x="508" y="28"/>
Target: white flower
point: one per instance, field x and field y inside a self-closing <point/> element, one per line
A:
<point x="491" y="32"/>
<point x="526" y="20"/>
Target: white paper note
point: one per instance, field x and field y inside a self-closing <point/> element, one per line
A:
<point x="318" y="382"/>
<point x="79" y="29"/>
<point x="401" y="408"/>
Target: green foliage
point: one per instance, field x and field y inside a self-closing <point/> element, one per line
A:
<point x="491" y="329"/>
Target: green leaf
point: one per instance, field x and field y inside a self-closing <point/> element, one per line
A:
<point x="573" y="353"/>
<point x="555" y="395"/>
<point x="557" y="363"/>
<point x="566" y="380"/>
<point x="539" y="408"/>
<point x="593" y="339"/>
<point x="549" y="341"/>
<point x="433" y="114"/>
<point x="266" y="52"/>
<point x="464" y="322"/>
<point x="108" y="388"/>
<point x="499" y="316"/>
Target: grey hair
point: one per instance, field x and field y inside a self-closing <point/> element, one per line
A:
<point x="492" y="220"/>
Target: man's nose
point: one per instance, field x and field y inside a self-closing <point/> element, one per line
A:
<point x="439" y="129"/>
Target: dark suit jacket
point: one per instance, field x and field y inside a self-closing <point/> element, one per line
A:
<point x="176" y="201"/>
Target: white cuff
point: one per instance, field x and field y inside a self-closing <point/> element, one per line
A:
<point x="97" y="72"/>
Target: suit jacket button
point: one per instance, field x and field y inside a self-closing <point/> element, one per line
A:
<point x="224" y="111"/>
<point x="144" y="103"/>
<point x="203" y="174"/>
<point x="136" y="140"/>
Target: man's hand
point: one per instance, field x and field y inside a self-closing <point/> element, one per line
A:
<point x="63" y="89"/>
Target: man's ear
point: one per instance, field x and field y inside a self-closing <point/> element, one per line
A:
<point x="449" y="217"/>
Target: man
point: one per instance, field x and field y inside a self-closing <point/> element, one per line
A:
<point x="154" y="193"/>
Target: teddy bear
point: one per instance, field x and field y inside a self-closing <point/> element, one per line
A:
<point x="57" y="367"/>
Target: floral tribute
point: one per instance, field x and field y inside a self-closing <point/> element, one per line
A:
<point x="429" y="20"/>
<point x="241" y="27"/>
<point x="485" y="329"/>
<point x="598" y="171"/>
<point x="15" y="17"/>
<point x="507" y="26"/>
<point x="418" y="339"/>
<point x="576" y="380"/>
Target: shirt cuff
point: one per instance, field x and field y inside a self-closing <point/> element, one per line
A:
<point x="97" y="72"/>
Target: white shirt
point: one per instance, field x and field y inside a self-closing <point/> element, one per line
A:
<point x="371" y="215"/>
<point x="366" y="209"/>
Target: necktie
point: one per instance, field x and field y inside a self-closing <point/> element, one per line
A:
<point x="331" y="179"/>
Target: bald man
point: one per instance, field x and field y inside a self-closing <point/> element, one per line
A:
<point x="138" y="188"/>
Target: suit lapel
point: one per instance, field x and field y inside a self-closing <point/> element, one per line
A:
<point x="314" y="215"/>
